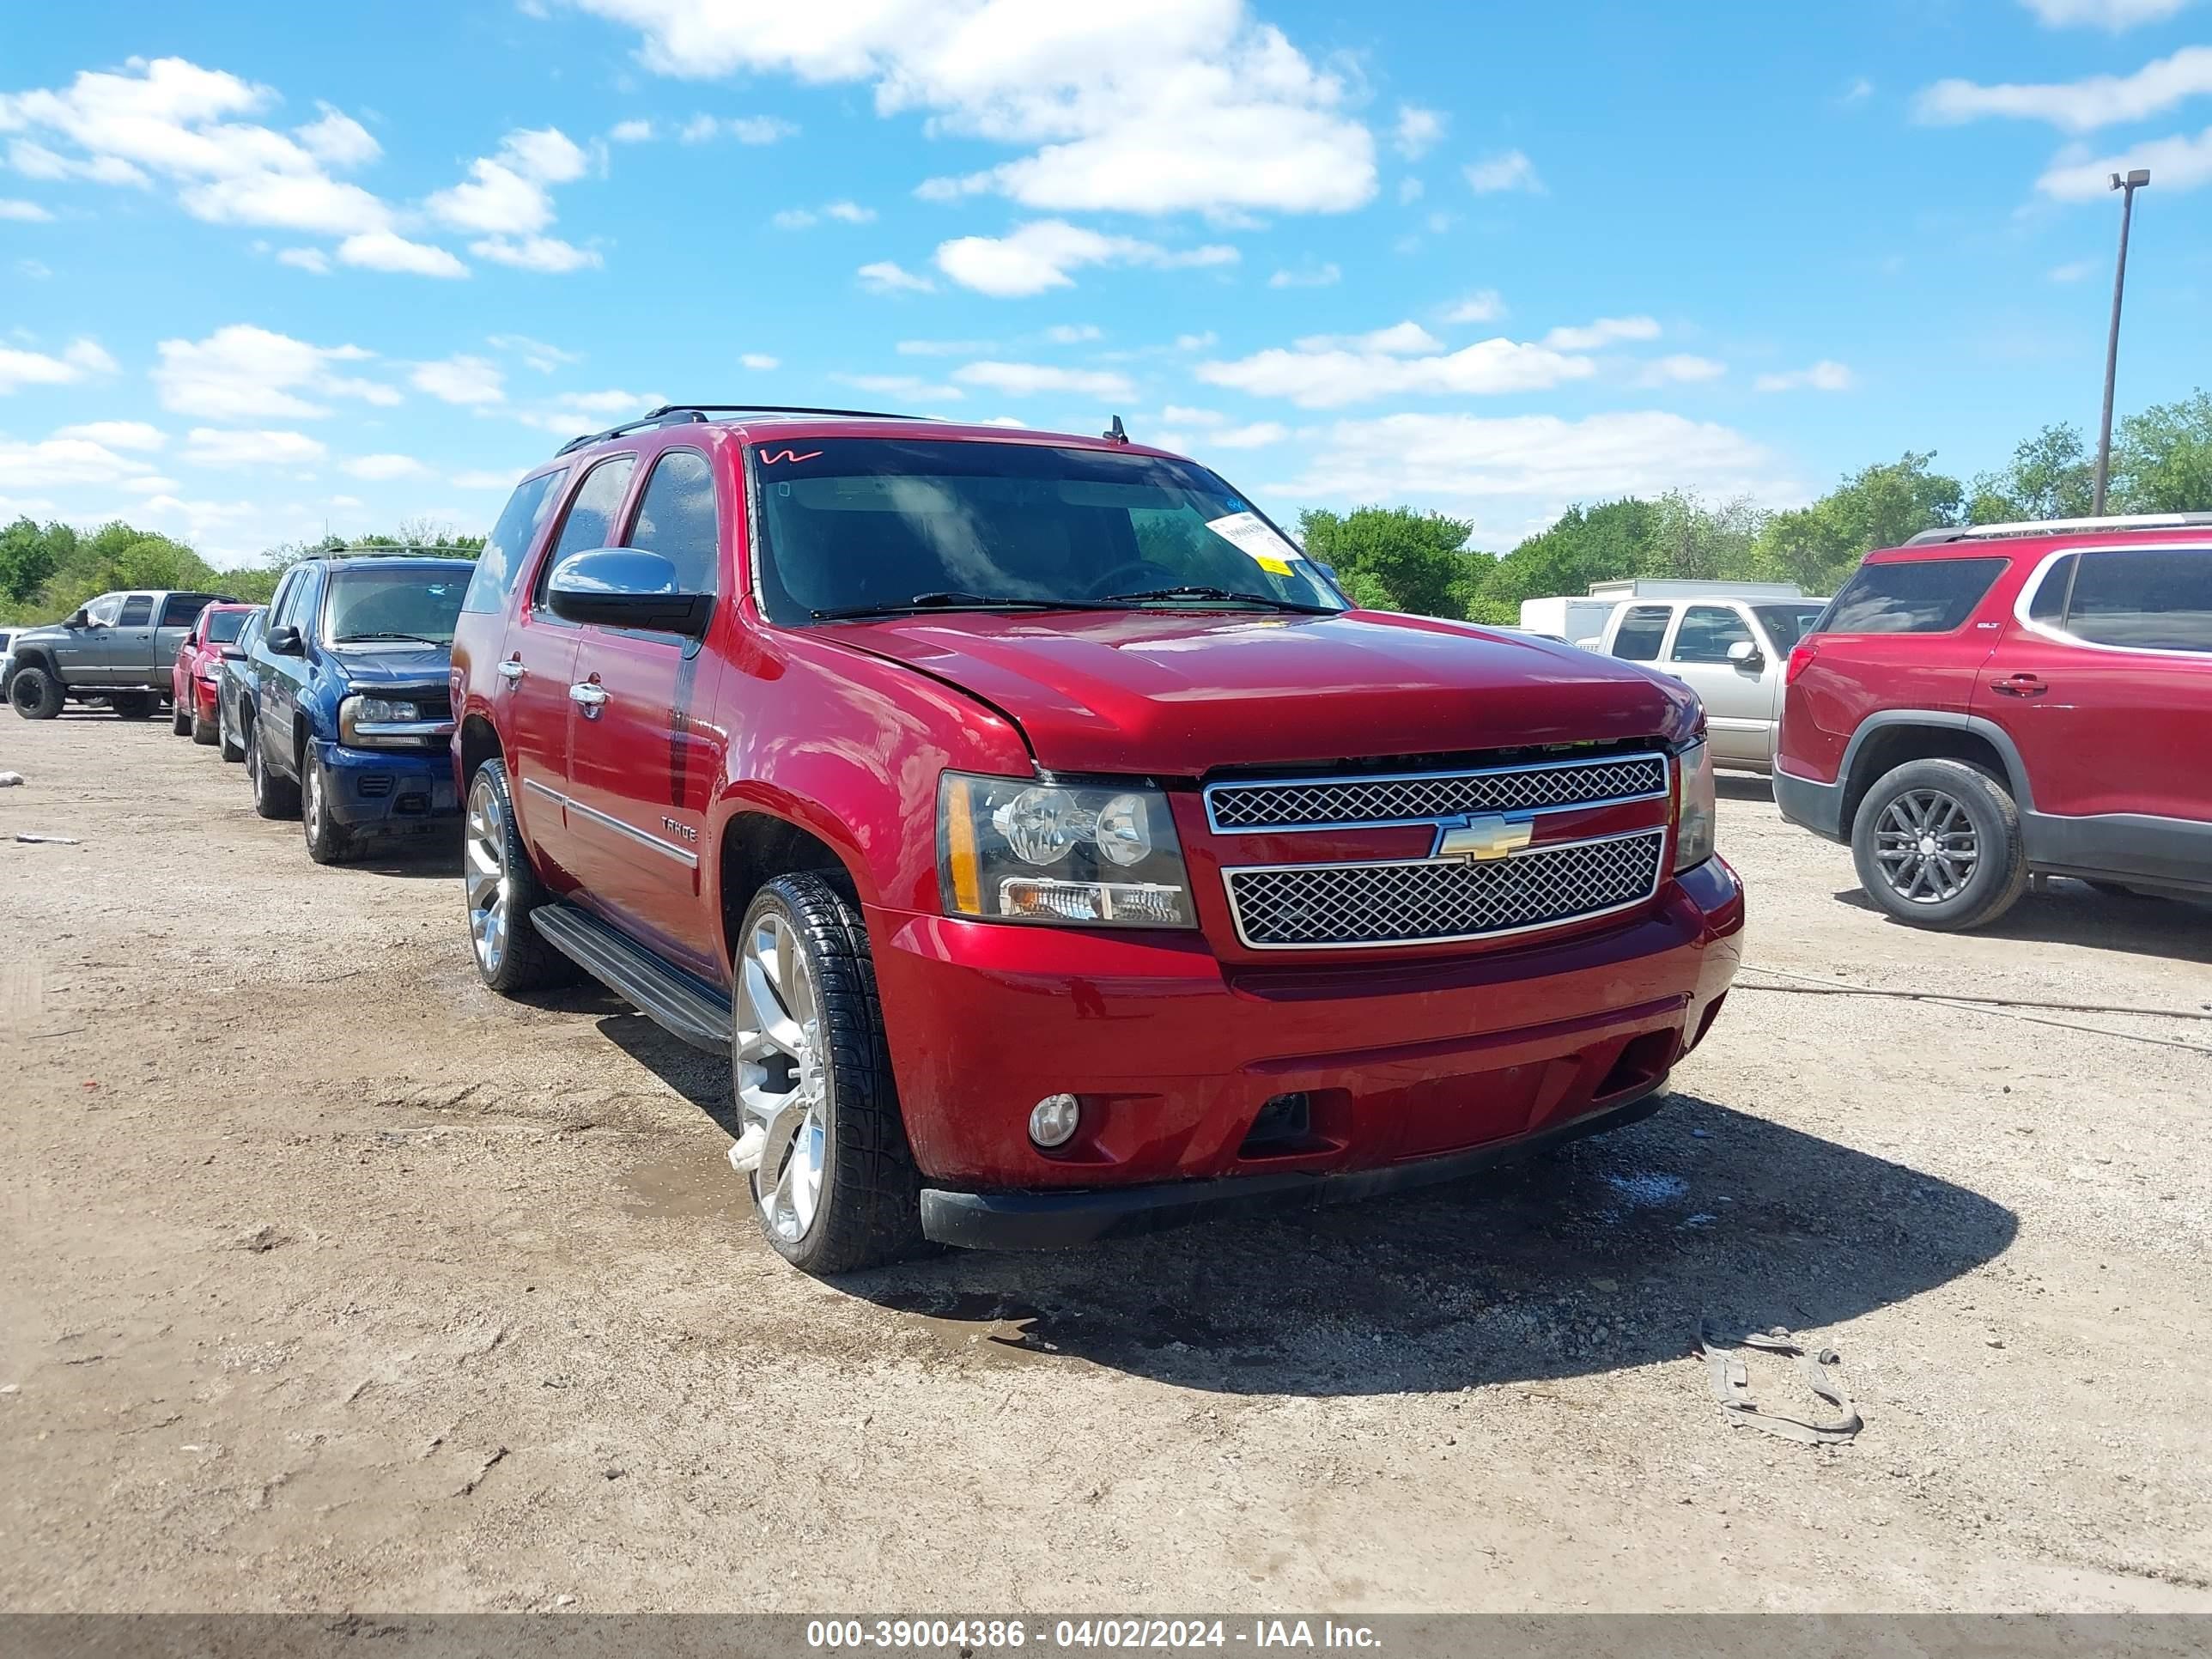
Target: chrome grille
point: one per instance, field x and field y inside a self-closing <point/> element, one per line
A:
<point x="1428" y="901"/>
<point x="1425" y="797"/>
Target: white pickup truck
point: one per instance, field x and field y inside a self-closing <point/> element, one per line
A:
<point x="1730" y="651"/>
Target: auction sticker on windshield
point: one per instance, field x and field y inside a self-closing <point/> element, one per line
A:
<point x="1258" y="540"/>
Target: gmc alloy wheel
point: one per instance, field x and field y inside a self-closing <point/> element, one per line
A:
<point x="1937" y="844"/>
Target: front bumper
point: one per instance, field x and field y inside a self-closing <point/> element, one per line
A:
<point x="389" y="791"/>
<point x="1811" y="805"/>
<point x="1386" y="1073"/>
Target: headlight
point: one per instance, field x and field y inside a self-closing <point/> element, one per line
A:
<point x="1696" y="809"/>
<point x="358" y="718"/>
<point x="1010" y="850"/>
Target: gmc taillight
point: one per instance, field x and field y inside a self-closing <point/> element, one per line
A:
<point x="1801" y="658"/>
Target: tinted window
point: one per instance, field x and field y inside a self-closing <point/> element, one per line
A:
<point x="223" y="627"/>
<point x="500" y="565"/>
<point x="2048" y="605"/>
<point x="284" y="609"/>
<point x="2154" y="599"/>
<point x="1706" y="632"/>
<point x="138" y="611"/>
<point x="250" y="636"/>
<point x="1919" y="596"/>
<point x="592" y="513"/>
<point x="1786" y="624"/>
<point x="676" y="519"/>
<point x="398" y="606"/>
<point x="1641" y="631"/>
<point x="183" y="609"/>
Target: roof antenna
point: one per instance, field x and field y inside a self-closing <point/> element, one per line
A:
<point x="1113" y="434"/>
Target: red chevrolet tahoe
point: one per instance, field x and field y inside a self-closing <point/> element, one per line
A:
<point x="1986" y="704"/>
<point x="1051" y="847"/>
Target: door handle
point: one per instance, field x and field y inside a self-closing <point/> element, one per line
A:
<point x="512" y="669"/>
<point x="589" y="697"/>
<point x="2018" y="685"/>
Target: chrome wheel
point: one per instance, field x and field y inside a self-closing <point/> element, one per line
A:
<point x="483" y="874"/>
<point x="310" y="792"/>
<point x="1926" y="845"/>
<point x="783" y="1085"/>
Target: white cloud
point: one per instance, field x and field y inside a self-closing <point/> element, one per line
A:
<point x="1257" y="435"/>
<point x="1483" y="305"/>
<point x="1399" y="340"/>
<point x="62" y="460"/>
<point x="1527" y="468"/>
<point x="1606" y="330"/>
<point x="305" y="258"/>
<point x="758" y="361"/>
<point x="2114" y="15"/>
<point x="2178" y="163"/>
<point x="1409" y="191"/>
<point x="849" y="213"/>
<point x="793" y="218"/>
<point x="1857" y="92"/>
<point x="944" y="348"/>
<point x="2081" y="106"/>
<point x="1681" y="369"/>
<point x="387" y="250"/>
<point x="883" y="276"/>
<point x="1071" y="333"/>
<point x="337" y="140"/>
<point x="37" y="269"/>
<point x="1028" y="380"/>
<point x="382" y="468"/>
<point x="26" y="212"/>
<point x="482" y="480"/>
<point x="540" y="356"/>
<point x="1196" y="341"/>
<point x="630" y="132"/>
<point x="845" y="213"/>
<point x="1510" y="171"/>
<point x="240" y="371"/>
<point x="1148" y="106"/>
<point x="79" y="359"/>
<point x="1038" y="256"/>
<point x="572" y="412"/>
<point x="346" y="501"/>
<point x="461" y="379"/>
<point x="1326" y="275"/>
<point x="208" y="447"/>
<point x="152" y="484"/>
<point x="1337" y="375"/>
<point x="1823" y="376"/>
<point x="117" y="434"/>
<point x="37" y="162"/>
<point x="1417" y="131"/>
<point x="902" y="386"/>
<point x="746" y="129"/>
<point x="546" y="253"/>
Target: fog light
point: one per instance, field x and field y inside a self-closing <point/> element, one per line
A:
<point x="1053" y="1120"/>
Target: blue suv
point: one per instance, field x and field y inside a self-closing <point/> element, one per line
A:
<point x="346" y="714"/>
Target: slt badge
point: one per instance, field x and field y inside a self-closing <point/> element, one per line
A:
<point x="1490" y="835"/>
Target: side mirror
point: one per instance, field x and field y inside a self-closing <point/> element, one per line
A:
<point x="1745" y="655"/>
<point x="627" y="587"/>
<point x="287" y="643"/>
<point x="232" y="653"/>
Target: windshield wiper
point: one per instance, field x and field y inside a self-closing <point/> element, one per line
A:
<point x="957" y="601"/>
<point x="356" y="639"/>
<point x="1201" y="590"/>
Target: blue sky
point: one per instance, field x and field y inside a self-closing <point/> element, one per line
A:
<point x="265" y="269"/>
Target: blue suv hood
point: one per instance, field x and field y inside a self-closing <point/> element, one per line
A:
<point x="414" y="665"/>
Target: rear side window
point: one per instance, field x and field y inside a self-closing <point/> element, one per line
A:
<point x="183" y="609"/>
<point x="676" y="519"/>
<point x="136" y="610"/>
<point x="1640" y="633"/>
<point x="500" y="565"/>
<point x="1706" y="632"/>
<point x="1919" y="596"/>
<point x="2150" y="599"/>
<point x="2048" y="605"/>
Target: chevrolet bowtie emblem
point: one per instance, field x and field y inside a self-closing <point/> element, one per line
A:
<point x="1492" y="835"/>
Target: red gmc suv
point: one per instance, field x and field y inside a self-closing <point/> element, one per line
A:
<point x="1052" y="849"/>
<point x="1982" y="705"/>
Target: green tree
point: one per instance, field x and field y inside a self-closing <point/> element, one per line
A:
<point x="1689" y="539"/>
<point x="1393" y="558"/>
<point x="2162" y="458"/>
<point x="1880" y="506"/>
<point x="29" y="556"/>
<point x="2051" y="476"/>
<point x="1584" y="545"/>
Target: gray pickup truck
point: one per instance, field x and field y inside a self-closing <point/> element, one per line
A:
<point x="118" y="647"/>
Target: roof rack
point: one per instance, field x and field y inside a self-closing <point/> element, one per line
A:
<point x="1970" y="532"/>
<point x="691" y="413"/>
<point x="379" y="549"/>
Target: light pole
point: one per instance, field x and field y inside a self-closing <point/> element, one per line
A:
<point x="2127" y="186"/>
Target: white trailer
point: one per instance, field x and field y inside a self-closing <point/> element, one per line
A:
<point x="1567" y="617"/>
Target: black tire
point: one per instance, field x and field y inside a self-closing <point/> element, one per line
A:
<point x="204" y="731"/>
<point x="1980" y="868"/>
<point x="227" y="742"/>
<point x="525" y="960"/>
<point x="35" y="694"/>
<point x="273" y="797"/>
<point x="869" y="1212"/>
<point x="131" y="705"/>
<point x="180" y="718"/>
<point x="329" y="841"/>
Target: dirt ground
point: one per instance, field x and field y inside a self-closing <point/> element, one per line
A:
<point x="334" y="1282"/>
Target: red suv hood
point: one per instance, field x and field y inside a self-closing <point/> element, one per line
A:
<point x="1177" y="694"/>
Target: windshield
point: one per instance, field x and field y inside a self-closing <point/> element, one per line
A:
<point x="400" y="607"/>
<point x="853" y="524"/>
<point x="1786" y="624"/>
<point x="222" y="627"/>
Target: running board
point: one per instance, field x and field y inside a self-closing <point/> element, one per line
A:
<point x="680" y="1003"/>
